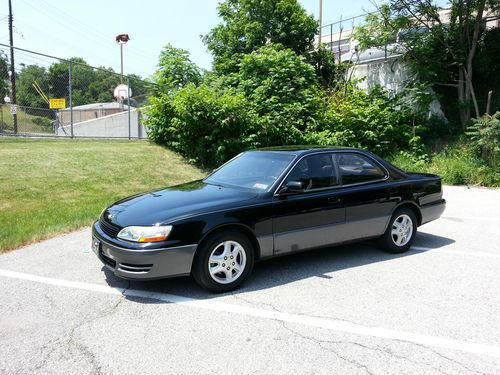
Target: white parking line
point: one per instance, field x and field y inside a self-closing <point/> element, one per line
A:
<point x="471" y="218"/>
<point x="480" y="254"/>
<point x="328" y="324"/>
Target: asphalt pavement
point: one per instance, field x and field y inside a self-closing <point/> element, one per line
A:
<point x="343" y="310"/>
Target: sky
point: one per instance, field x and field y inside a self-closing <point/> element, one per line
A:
<point x="88" y="28"/>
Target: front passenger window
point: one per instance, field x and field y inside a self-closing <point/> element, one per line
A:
<point x="315" y="171"/>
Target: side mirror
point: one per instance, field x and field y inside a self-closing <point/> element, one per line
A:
<point x="292" y="187"/>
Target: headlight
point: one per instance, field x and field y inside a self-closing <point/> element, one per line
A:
<point x="145" y="234"/>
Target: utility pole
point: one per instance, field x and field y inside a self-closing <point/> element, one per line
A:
<point x="12" y="70"/>
<point x="320" y="21"/>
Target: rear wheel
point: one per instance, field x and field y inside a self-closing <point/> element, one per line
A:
<point x="223" y="261"/>
<point x="401" y="231"/>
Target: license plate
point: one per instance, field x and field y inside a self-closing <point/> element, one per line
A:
<point x="96" y="245"/>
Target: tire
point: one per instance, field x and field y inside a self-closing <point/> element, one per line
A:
<point x="215" y="255"/>
<point x="400" y="232"/>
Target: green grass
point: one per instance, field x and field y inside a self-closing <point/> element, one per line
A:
<point x="25" y="123"/>
<point x="50" y="186"/>
<point x="456" y="164"/>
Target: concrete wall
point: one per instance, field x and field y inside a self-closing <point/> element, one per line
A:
<point x="80" y="115"/>
<point x="115" y="125"/>
<point x="392" y="74"/>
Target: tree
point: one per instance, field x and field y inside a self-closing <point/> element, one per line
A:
<point x="331" y="75"/>
<point x="4" y="76"/>
<point x="486" y="70"/>
<point x="175" y="70"/>
<point x="141" y="89"/>
<point x="26" y="94"/>
<point x="442" y="52"/>
<point x="381" y="28"/>
<point x="250" y="24"/>
<point x="282" y="88"/>
<point x="103" y="84"/>
<point x="88" y="84"/>
<point x="82" y="76"/>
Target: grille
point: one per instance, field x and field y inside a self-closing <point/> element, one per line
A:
<point x="110" y="229"/>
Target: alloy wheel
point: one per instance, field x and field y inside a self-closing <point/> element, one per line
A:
<point x="402" y="230"/>
<point x="227" y="262"/>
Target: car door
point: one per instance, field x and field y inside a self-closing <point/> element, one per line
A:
<point x="366" y="195"/>
<point x="315" y="216"/>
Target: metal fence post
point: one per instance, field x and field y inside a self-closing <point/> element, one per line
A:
<point x="331" y="37"/>
<point x="128" y="108"/>
<point x="70" y="86"/>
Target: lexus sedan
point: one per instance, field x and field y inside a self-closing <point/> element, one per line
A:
<point x="262" y="204"/>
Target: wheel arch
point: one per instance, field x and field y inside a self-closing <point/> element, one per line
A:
<point x="412" y="206"/>
<point x="248" y="232"/>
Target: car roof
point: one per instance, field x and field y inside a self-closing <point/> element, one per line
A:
<point x="301" y="149"/>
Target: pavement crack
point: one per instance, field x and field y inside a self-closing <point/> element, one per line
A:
<point x="55" y="344"/>
<point x="256" y="304"/>
<point x="50" y="300"/>
<point x="321" y="344"/>
<point x="260" y="303"/>
<point x="113" y="308"/>
<point x="452" y="360"/>
<point x="386" y="351"/>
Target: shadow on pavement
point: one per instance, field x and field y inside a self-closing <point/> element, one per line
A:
<point x="286" y="269"/>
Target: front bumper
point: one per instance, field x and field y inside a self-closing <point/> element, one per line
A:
<point x="143" y="264"/>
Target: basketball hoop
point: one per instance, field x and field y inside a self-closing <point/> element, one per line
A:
<point x="122" y="92"/>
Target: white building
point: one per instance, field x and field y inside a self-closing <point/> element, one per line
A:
<point x="378" y="66"/>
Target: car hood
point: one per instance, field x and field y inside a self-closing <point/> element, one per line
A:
<point x="174" y="203"/>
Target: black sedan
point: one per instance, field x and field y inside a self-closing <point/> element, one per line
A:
<point x="262" y="204"/>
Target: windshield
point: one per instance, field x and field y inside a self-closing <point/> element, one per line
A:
<point x="255" y="170"/>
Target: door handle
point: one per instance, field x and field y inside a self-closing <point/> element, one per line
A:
<point x="333" y="200"/>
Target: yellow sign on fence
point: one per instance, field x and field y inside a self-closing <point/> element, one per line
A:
<point x="57" y="103"/>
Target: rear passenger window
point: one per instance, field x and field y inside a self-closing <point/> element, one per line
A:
<point x="356" y="168"/>
<point x="315" y="171"/>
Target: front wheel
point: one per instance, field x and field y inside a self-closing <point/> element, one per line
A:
<point x="223" y="261"/>
<point x="401" y="231"/>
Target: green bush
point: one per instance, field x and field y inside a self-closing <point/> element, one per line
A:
<point x="43" y="122"/>
<point x="272" y="100"/>
<point x="379" y="121"/>
<point x="484" y="134"/>
<point x="159" y="115"/>
<point x="275" y="99"/>
<point x="282" y="90"/>
<point x="410" y="162"/>
<point x="457" y="165"/>
<point x="203" y="124"/>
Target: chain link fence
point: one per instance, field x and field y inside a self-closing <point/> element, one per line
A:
<point x="69" y="98"/>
